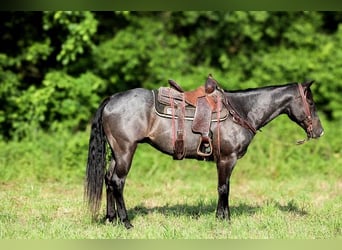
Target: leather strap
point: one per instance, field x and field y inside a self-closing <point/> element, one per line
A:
<point x="179" y="146"/>
<point x="308" y="117"/>
<point x="236" y="117"/>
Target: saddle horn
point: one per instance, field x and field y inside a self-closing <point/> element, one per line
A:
<point x="210" y="84"/>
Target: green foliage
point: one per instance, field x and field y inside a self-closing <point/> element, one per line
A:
<point x="37" y="51"/>
<point x="78" y="29"/>
<point x="44" y="157"/>
<point x="56" y="66"/>
<point x="63" y="102"/>
<point x="142" y="54"/>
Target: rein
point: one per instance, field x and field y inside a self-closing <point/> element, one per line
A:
<point x="236" y="117"/>
<point x="308" y="117"/>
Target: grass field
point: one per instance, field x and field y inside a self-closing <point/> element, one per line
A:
<point x="278" y="191"/>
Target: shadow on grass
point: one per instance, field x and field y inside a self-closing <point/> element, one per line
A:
<point x="195" y="211"/>
<point x="291" y="207"/>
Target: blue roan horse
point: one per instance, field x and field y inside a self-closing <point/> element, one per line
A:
<point x="126" y="119"/>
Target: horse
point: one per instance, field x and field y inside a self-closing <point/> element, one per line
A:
<point x="128" y="118"/>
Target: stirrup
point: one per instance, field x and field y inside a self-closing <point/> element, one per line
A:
<point x="205" y="147"/>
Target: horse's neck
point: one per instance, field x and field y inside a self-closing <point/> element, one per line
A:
<point x="260" y="106"/>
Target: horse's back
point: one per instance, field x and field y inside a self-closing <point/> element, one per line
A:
<point x="129" y="100"/>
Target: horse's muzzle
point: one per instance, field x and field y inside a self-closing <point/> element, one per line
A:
<point x="314" y="129"/>
<point x="315" y="134"/>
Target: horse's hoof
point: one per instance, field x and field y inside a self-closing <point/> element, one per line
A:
<point x="128" y="225"/>
<point x="223" y="215"/>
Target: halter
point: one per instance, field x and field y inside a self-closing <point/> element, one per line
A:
<point x="308" y="117"/>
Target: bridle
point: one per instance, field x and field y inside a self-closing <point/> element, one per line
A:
<point x="308" y="118"/>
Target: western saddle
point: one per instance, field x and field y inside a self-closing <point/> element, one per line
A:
<point x="202" y="105"/>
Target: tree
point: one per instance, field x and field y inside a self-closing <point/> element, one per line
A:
<point x="55" y="67"/>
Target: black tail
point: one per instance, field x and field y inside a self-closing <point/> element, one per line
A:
<point x="96" y="162"/>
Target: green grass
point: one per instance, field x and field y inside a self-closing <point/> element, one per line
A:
<point x="260" y="209"/>
<point x="278" y="190"/>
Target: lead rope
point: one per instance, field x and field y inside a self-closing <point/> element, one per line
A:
<point x="300" y="142"/>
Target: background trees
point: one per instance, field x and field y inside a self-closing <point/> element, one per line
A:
<point x="55" y="67"/>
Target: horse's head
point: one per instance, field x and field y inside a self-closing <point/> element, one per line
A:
<point x="303" y="111"/>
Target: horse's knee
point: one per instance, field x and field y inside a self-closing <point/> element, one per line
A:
<point x="116" y="174"/>
<point x="223" y="189"/>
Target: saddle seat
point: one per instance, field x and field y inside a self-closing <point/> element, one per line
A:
<point x="192" y="96"/>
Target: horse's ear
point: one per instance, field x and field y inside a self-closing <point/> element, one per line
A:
<point x="308" y="84"/>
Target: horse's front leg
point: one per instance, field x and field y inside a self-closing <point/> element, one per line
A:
<point x="224" y="170"/>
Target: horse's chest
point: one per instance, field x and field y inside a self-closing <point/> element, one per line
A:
<point x="235" y="141"/>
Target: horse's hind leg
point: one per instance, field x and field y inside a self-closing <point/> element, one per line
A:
<point x="115" y="182"/>
<point x="111" y="212"/>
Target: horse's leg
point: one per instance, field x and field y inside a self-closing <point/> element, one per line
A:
<point x="116" y="182"/>
<point x="127" y="120"/>
<point x="225" y="168"/>
<point x="111" y="212"/>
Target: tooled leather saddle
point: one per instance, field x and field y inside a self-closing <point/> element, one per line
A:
<point x="202" y="106"/>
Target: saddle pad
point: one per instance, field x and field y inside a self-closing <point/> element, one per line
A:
<point x="163" y="106"/>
